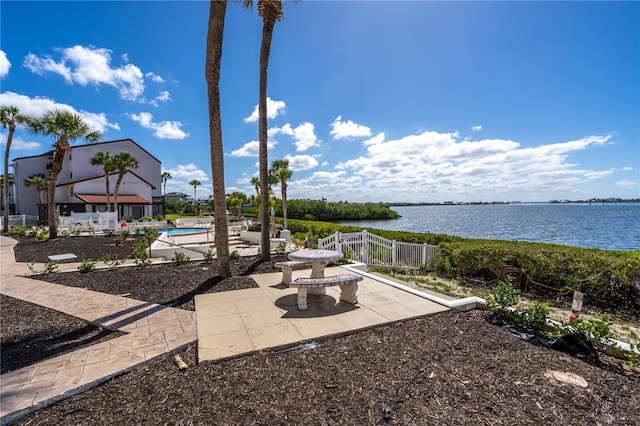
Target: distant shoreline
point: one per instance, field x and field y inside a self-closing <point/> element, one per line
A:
<point x="493" y="203"/>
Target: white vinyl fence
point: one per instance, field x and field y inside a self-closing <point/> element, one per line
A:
<point x="381" y="252"/>
<point x="21" y="220"/>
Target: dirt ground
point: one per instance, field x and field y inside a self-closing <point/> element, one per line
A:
<point x="445" y="369"/>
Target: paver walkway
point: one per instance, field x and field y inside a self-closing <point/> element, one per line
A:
<point x="153" y="331"/>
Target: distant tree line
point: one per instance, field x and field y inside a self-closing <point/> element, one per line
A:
<point x="335" y="211"/>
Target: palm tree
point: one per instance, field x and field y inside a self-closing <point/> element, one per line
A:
<point x="164" y="177"/>
<point x="195" y="183"/>
<point x="10" y="182"/>
<point x="122" y="162"/>
<point x="271" y="12"/>
<point x="255" y="181"/>
<point x="104" y="159"/>
<point x="39" y="181"/>
<point x="9" y="117"/>
<point x="217" y="12"/>
<point x="280" y="169"/>
<point x="66" y="127"/>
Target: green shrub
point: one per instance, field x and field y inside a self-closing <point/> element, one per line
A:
<point x="18" y="231"/>
<point x="209" y="256"/>
<point x="534" y="318"/>
<point x="595" y="328"/>
<point x="111" y="260"/>
<point x="140" y="255"/>
<point x="502" y="297"/>
<point x="235" y="255"/>
<point x="179" y="258"/>
<point x="49" y="269"/>
<point x="127" y="218"/>
<point x="87" y="265"/>
<point x="146" y="219"/>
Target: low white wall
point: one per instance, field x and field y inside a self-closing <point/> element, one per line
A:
<point x="164" y="246"/>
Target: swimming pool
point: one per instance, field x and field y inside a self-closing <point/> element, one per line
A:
<point x="182" y="231"/>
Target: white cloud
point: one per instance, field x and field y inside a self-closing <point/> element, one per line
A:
<point x="305" y="137"/>
<point x="39" y="105"/>
<point x="625" y="183"/>
<point x="327" y="176"/>
<point x="162" y="129"/>
<point x="434" y="166"/>
<point x="155" y="78"/>
<point x="163" y="96"/>
<point x="348" y="129"/>
<point x="90" y="65"/>
<point x="298" y="163"/>
<point x="376" y="140"/>
<point x="274" y="108"/>
<point x="476" y="128"/>
<point x="182" y="174"/>
<point x="19" y="144"/>
<point x="250" y="149"/>
<point x="284" y="130"/>
<point x="4" y="64"/>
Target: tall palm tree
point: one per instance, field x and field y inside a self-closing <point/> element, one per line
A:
<point x="280" y="169"/>
<point x="195" y="183"/>
<point x="271" y="12"/>
<point x="217" y="12"/>
<point x="39" y="181"/>
<point x="10" y="182"/>
<point x="165" y="176"/>
<point x="9" y="118"/>
<point x="122" y="162"/>
<point x="104" y="159"/>
<point x="66" y="127"/>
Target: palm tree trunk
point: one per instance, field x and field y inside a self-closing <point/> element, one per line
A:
<point x="265" y="51"/>
<point x="284" y="206"/>
<point x="5" y="183"/>
<point x="217" y="13"/>
<point x="115" y="195"/>
<point x="106" y="179"/>
<point x="56" y="167"/>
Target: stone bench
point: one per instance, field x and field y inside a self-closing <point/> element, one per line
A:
<point x="348" y="287"/>
<point x="288" y="267"/>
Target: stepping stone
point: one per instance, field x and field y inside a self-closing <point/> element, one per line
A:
<point x="64" y="256"/>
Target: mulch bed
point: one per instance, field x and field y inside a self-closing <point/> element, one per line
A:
<point x="445" y="369"/>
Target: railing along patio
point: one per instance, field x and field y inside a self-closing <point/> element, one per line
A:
<point x="381" y="252"/>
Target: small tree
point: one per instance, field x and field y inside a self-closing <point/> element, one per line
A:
<point x="165" y="176"/>
<point x="9" y="117"/>
<point x="104" y="159"/>
<point x="280" y="170"/>
<point x="122" y="161"/>
<point x="66" y="127"/>
<point x="39" y="181"/>
<point x="195" y="183"/>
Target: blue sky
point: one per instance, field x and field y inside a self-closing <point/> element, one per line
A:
<point x="369" y="101"/>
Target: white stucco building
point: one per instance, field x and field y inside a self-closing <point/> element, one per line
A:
<point x="81" y="186"/>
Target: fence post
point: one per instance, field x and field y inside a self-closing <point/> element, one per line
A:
<point x="338" y="241"/>
<point x="424" y="255"/>
<point x="365" y="247"/>
<point x="394" y="256"/>
<point x="24" y="220"/>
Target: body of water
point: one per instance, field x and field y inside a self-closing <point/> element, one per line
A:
<point x="610" y="226"/>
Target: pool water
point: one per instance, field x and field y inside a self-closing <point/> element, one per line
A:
<point x="182" y="231"/>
